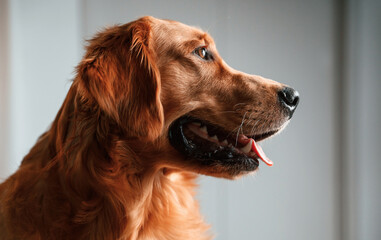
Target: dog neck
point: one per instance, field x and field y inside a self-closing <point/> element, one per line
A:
<point x="103" y="190"/>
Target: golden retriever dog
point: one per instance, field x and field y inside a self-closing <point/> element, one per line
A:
<point x="152" y="106"/>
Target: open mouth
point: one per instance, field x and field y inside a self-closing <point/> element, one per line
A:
<point x="213" y="145"/>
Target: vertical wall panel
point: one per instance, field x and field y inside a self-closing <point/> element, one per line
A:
<point x="4" y="89"/>
<point x="44" y="48"/>
<point x="364" y="117"/>
<point x="370" y="120"/>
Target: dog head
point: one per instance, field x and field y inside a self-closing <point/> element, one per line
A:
<point x="177" y="102"/>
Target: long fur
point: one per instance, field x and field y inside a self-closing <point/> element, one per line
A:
<point x="105" y="168"/>
<point x="82" y="179"/>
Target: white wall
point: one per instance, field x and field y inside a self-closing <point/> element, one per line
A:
<point x="362" y="216"/>
<point x="291" y="41"/>
<point x="4" y="86"/>
<point x="44" y="45"/>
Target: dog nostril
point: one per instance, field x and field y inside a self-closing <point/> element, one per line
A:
<point x="289" y="98"/>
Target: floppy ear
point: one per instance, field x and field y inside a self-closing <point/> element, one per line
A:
<point x="120" y="73"/>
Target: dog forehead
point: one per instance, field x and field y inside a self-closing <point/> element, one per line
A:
<point x="178" y="32"/>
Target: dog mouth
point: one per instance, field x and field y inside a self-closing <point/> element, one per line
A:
<point x="213" y="145"/>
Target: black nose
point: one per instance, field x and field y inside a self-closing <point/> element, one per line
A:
<point x="289" y="99"/>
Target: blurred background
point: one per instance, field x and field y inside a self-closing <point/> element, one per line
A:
<point x="325" y="182"/>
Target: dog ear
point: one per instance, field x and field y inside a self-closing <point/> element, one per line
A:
<point x="120" y="73"/>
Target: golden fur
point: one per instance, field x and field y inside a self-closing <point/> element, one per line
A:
<point x="105" y="168"/>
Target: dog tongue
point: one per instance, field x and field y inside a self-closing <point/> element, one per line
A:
<point x="243" y="139"/>
<point x="261" y="154"/>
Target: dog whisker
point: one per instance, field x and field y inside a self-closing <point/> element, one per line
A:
<point x="238" y="104"/>
<point x="233" y="131"/>
<point x="240" y="128"/>
<point x="249" y="119"/>
<point x="254" y="125"/>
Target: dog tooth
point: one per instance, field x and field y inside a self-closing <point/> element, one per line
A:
<point x="247" y="148"/>
<point x="204" y="129"/>
<point x="214" y="137"/>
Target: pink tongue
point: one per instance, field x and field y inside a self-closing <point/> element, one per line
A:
<point x="258" y="150"/>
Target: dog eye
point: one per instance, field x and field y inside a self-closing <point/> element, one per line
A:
<point x="203" y="53"/>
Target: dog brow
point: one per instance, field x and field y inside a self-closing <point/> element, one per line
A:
<point x="190" y="44"/>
